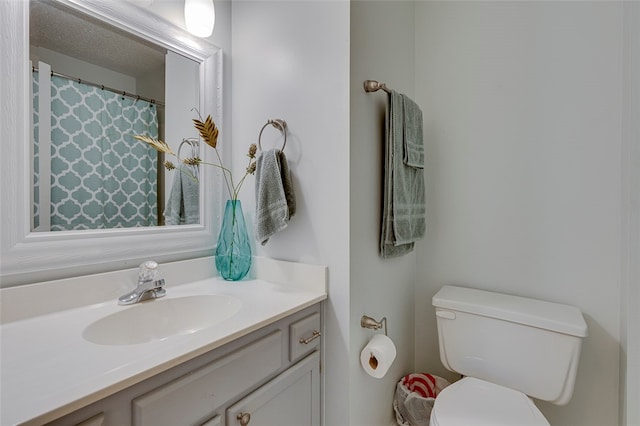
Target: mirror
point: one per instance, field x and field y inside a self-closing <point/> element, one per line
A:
<point x="28" y="256"/>
<point x="95" y="86"/>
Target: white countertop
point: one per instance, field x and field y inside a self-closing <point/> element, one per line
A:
<point x="49" y="370"/>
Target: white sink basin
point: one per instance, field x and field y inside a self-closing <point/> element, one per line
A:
<point x="159" y="319"/>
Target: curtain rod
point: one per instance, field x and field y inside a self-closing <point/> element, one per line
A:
<point x="103" y="87"/>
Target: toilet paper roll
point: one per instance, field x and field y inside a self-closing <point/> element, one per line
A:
<point x="376" y="358"/>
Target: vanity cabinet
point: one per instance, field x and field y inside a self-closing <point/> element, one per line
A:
<point x="268" y="377"/>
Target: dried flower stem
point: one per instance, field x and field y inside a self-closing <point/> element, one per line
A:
<point x="209" y="133"/>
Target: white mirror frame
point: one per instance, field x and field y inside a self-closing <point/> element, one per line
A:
<point x="27" y="256"/>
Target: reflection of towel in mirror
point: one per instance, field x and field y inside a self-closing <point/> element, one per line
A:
<point x="275" y="200"/>
<point x="403" y="211"/>
<point x="183" y="205"/>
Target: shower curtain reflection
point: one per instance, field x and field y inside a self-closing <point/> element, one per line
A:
<point x="100" y="176"/>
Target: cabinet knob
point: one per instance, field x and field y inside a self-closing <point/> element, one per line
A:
<point x="244" y="418"/>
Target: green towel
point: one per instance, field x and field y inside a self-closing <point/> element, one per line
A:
<point x="403" y="214"/>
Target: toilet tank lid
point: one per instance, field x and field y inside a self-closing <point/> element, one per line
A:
<point x="536" y="313"/>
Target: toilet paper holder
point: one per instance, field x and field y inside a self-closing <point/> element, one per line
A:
<point x="368" y="322"/>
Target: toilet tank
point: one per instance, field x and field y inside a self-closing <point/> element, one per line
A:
<point x="525" y="344"/>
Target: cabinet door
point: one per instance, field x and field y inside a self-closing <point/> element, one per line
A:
<point x="291" y="399"/>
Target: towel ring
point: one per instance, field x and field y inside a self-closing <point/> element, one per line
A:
<point x="278" y="124"/>
<point x="195" y="146"/>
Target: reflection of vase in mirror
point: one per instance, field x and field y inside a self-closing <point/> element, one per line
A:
<point x="233" y="252"/>
<point x="97" y="176"/>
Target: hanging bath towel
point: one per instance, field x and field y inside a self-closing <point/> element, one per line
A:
<point x="403" y="214"/>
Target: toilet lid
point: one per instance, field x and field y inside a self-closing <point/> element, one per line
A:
<point x="476" y="402"/>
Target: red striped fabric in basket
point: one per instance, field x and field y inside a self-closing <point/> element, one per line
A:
<point x="426" y="385"/>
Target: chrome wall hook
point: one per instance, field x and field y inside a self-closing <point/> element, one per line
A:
<point x="368" y="322"/>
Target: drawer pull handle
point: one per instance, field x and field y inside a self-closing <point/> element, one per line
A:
<point x="314" y="336"/>
<point x="244" y="418"/>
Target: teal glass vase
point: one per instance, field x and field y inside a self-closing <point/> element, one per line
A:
<point x="233" y="252"/>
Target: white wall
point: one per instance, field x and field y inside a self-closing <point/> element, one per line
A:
<point x="291" y="61"/>
<point x="382" y="49"/>
<point x="523" y="115"/>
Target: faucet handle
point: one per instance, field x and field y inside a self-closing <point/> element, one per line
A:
<point x="149" y="285"/>
<point x="148" y="271"/>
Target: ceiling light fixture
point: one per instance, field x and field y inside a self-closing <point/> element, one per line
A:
<point x="200" y="17"/>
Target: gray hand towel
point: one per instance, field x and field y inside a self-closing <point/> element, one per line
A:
<point x="183" y="205"/>
<point x="275" y="199"/>
<point x="413" y="145"/>
<point x="403" y="214"/>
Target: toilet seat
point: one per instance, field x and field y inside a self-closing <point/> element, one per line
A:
<point x="472" y="401"/>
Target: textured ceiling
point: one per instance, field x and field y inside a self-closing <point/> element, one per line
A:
<point x="60" y="29"/>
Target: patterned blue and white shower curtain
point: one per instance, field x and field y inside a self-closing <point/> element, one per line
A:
<point x="101" y="177"/>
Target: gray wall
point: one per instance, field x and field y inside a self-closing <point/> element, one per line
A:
<point x="382" y="49"/>
<point x="524" y="139"/>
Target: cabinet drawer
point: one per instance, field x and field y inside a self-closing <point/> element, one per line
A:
<point x="196" y="395"/>
<point x="304" y="336"/>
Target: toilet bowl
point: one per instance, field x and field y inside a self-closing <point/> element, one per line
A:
<point x="508" y="348"/>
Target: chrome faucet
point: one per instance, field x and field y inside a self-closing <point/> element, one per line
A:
<point x="149" y="285"/>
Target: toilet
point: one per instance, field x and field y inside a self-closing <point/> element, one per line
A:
<point x="508" y="349"/>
